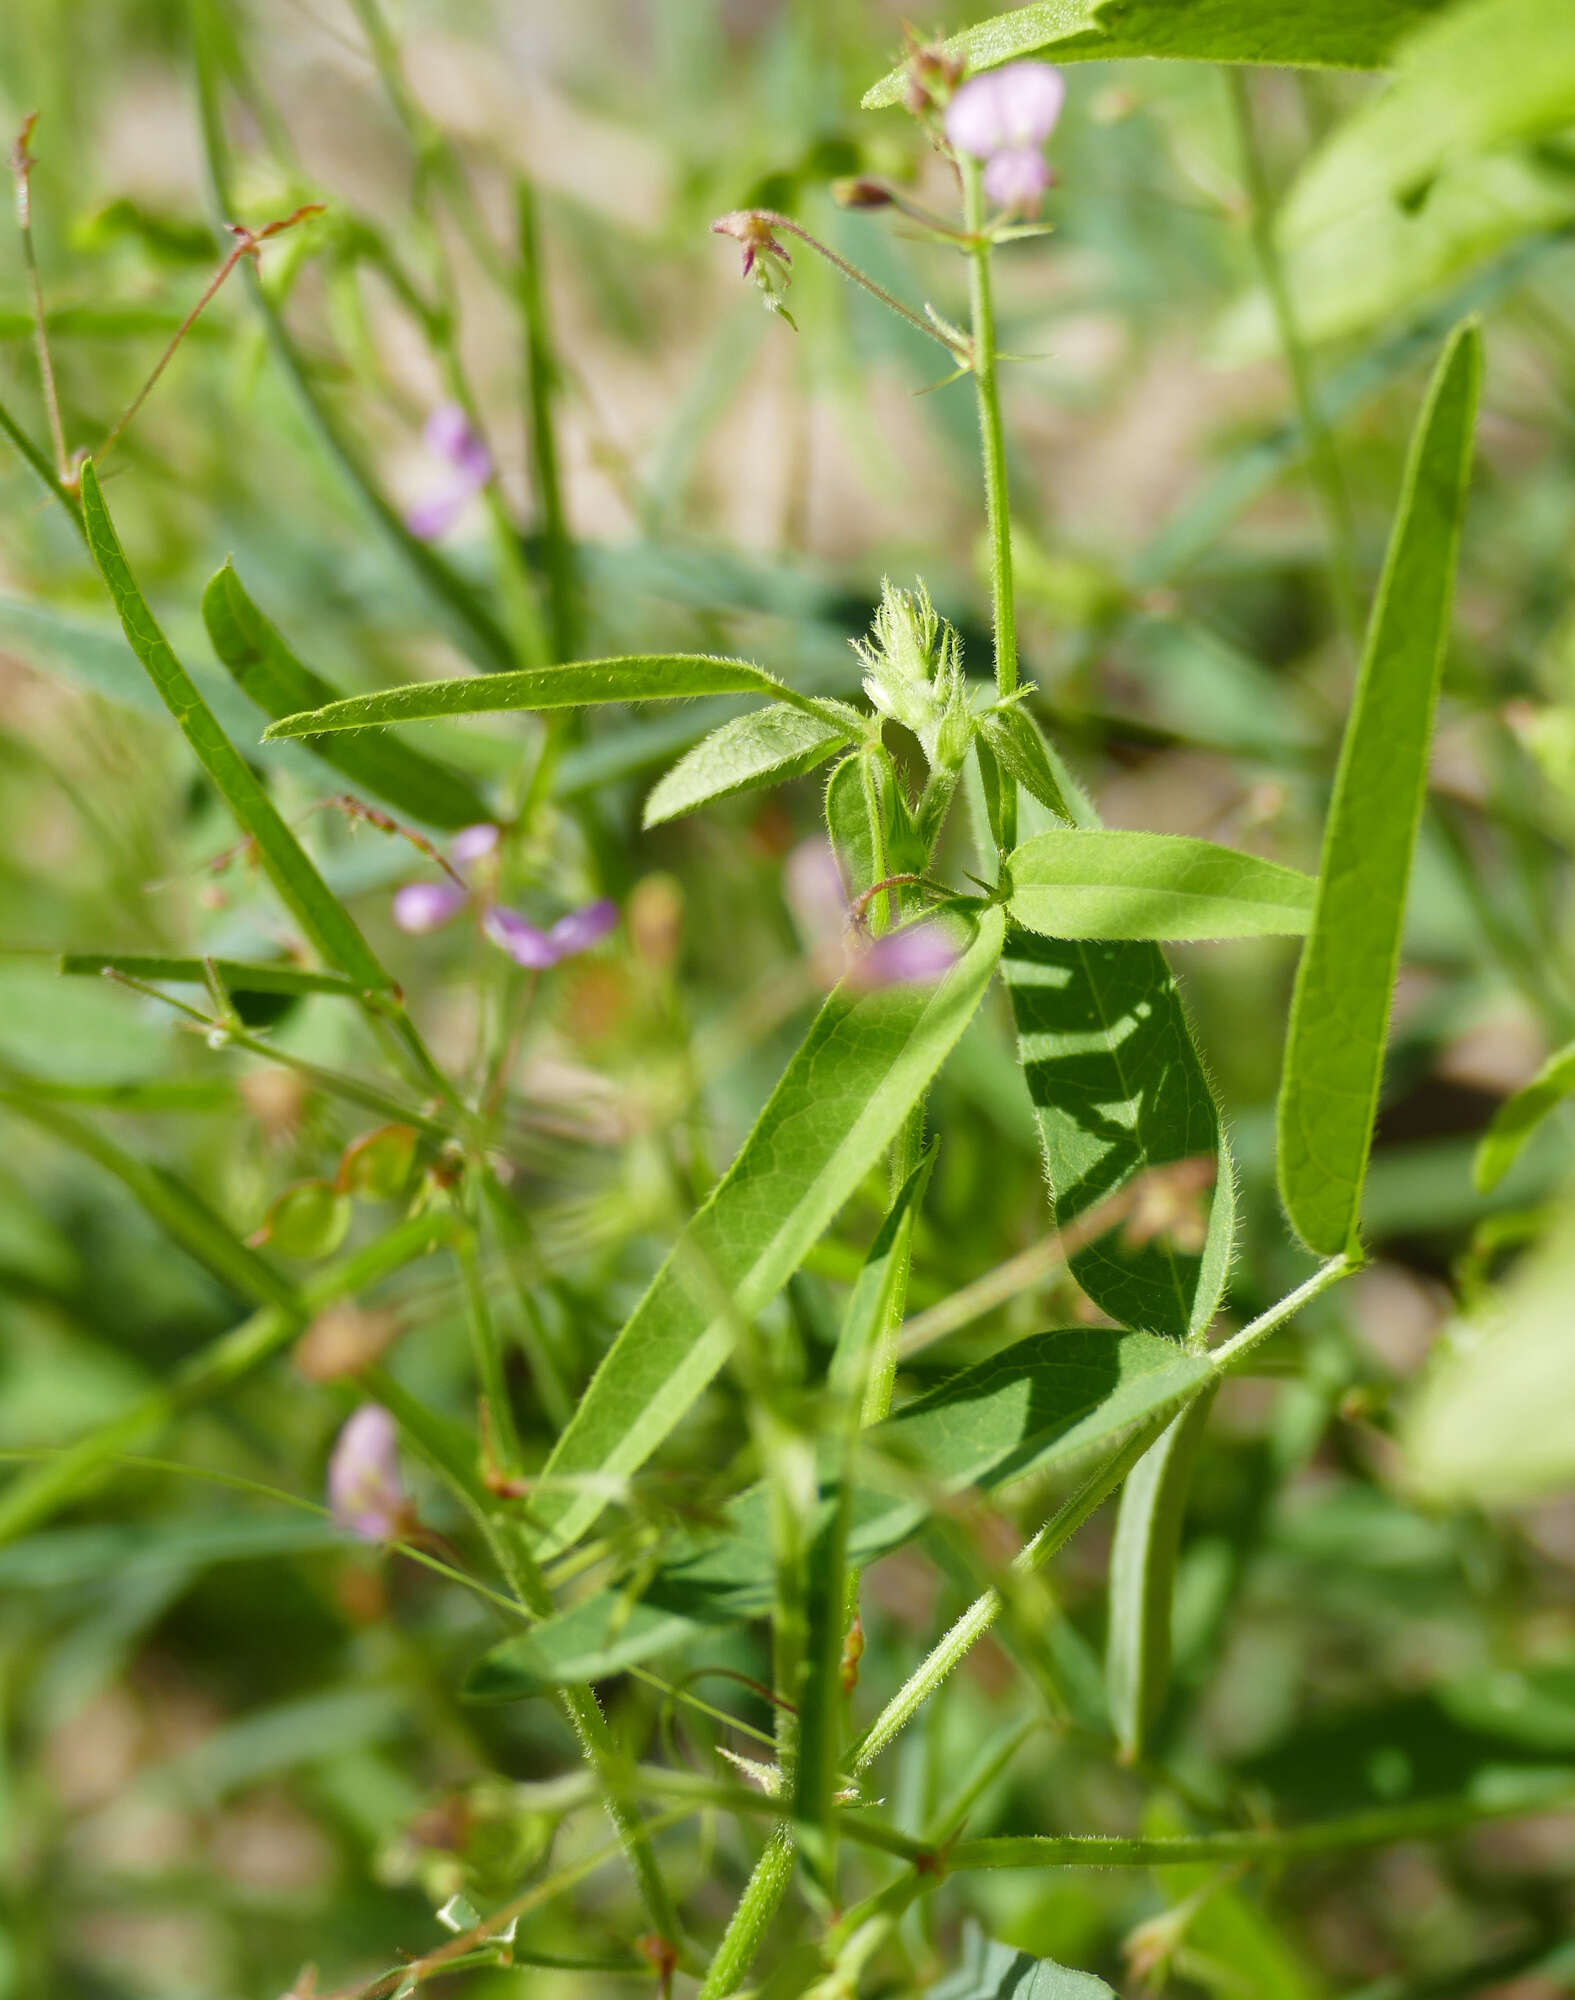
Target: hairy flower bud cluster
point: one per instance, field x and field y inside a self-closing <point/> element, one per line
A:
<point x="913" y="663"/>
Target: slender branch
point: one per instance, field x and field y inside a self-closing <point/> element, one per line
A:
<point x="983" y="1612"/>
<point x="22" y="173"/>
<point x="247" y="244"/>
<point x="1322" y="459"/>
<point x="772" y="221"/>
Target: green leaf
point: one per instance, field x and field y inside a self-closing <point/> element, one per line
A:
<point x="1369" y="268"/>
<point x="867" y="1059"/>
<point x="1344" y="985"/>
<point x="991" y="1971"/>
<point x="1118" y="1092"/>
<point x="1143" y="1576"/>
<point x="765" y="747"/>
<point x="1480" y="77"/>
<point x="1334" y="34"/>
<point x="1014" y="741"/>
<point x="1078" y="882"/>
<point x="268" y="672"/>
<point x="640" y="677"/>
<point x="1518" y="1117"/>
<point x="178" y="1209"/>
<point x="1039" y="1404"/>
<point x="1494" y="1424"/>
<point x="300" y="887"/>
<point x="235" y="975"/>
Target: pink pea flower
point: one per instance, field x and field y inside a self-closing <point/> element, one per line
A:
<point x="919" y="954"/>
<point x="426" y="906"/>
<point x="364" y="1490"/>
<point x="467" y="464"/>
<point x="1004" y="117"/>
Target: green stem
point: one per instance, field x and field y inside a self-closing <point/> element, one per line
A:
<point x="541" y="381"/>
<point x="746" y="1930"/>
<point x="1322" y="459"/>
<point x="992" y="438"/>
<point x="1428" y="1819"/>
<point x="857" y="277"/>
<point x="487" y="1355"/>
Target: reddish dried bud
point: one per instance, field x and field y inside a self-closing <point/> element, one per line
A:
<point x="861" y="192"/>
<point x="932" y="77"/>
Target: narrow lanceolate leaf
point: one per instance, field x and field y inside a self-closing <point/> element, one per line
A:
<point x="177" y="1209"/>
<point x="268" y="672"/>
<point x="1519" y="1116"/>
<point x="303" y="891"/>
<point x="1122" y="1104"/>
<point x="234" y="974"/>
<point x="1340" y="1013"/>
<point x="1015" y="743"/>
<point x="1041" y="1403"/>
<point x="763" y="748"/>
<point x="1143" y="1576"/>
<point x="581" y="683"/>
<point x="868" y="1058"/>
<point x="1316" y="34"/>
<point x="1078" y="882"/>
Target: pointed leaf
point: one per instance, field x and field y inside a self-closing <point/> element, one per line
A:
<point x="1518" y="1117"/>
<point x="265" y="669"/>
<point x="1344" y="986"/>
<point x="1337" y="34"/>
<point x="991" y="1971"/>
<point x="641" y="677"/>
<point x="765" y="747"/>
<point x="1076" y="882"/>
<point x="867" y="1059"/>
<point x="300" y="887"/>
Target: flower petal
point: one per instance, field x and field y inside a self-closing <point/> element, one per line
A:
<point x="471" y="843"/>
<point x="916" y="956"/>
<point x="364" y="1492"/>
<point x="1016" y="178"/>
<point x="526" y="945"/>
<point x="426" y="906"/>
<point x="1014" y="106"/>
<point x="582" y="928"/>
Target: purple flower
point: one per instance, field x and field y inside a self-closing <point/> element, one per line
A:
<point x="919" y="954"/>
<point x="449" y="437"/>
<point x="523" y="942"/>
<point x="1016" y="178"/>
<point x="364" y="1493"/>
<point x="473" y="843"/>
<point x="427" y="906"/>
<point x="582" y="928"/>
<point x="1004" y="117"/>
